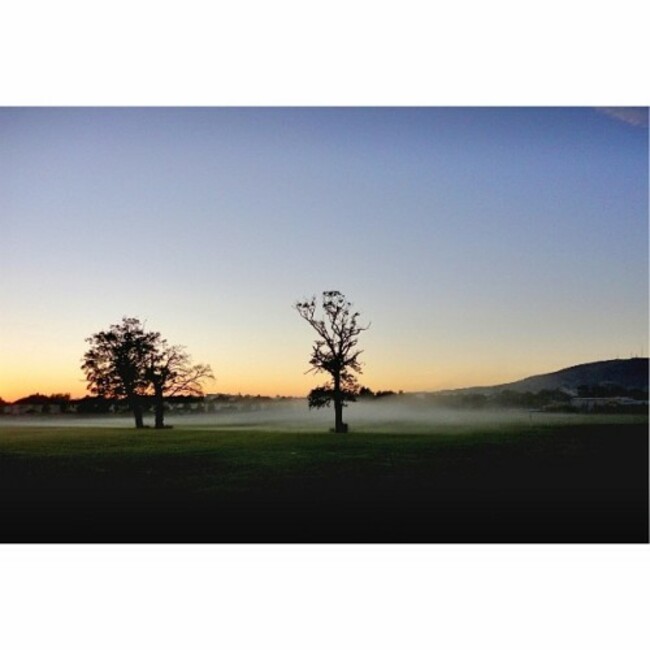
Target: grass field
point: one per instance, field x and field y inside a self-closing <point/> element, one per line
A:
<point x="563" y="479"/>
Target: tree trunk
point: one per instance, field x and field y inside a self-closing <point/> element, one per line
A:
<point x="159" y="408"/>
<point x="339" y="425"/>
<point x="137" y="412"/>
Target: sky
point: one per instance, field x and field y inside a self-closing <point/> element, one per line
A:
<point x="483" y="245"/>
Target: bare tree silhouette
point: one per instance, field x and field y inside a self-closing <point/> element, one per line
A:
<point x="171" y="373"/>
<point x="334" y="352"/>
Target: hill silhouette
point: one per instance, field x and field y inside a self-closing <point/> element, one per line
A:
<point x="626" y="373"/>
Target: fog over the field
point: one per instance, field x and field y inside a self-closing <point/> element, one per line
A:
<point x="386" y="415"/>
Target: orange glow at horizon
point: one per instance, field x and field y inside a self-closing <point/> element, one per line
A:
<point x="14" y="386"/>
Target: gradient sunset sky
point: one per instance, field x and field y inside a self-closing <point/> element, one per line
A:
<point x="483" y="244"/>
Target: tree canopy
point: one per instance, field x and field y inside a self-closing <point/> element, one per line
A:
<point x="126" y="361"/>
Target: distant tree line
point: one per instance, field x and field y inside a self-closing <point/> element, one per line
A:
<point x="611" y="389"/>
<point x="365" y="393"/>
<point x="549" y="400"/>
<point x="94" y="405"/>
<point x="216" y="403"/>
<point x="60" y="402"/>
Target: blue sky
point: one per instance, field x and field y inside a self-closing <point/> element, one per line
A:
<point x="483" y="244"/>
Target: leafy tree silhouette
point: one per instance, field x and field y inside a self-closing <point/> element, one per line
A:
<point x="127" y="362"/>
<point x="116" y="363"/>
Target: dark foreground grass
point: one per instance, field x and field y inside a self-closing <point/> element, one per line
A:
<point x="582" y="481"/>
